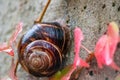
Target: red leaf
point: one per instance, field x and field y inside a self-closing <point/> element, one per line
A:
<point x="8" y="47"/>
<point x="5" y="48"/>
<point x="106" y="46"/>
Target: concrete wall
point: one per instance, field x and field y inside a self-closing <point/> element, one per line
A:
<point x="92" y="16"/>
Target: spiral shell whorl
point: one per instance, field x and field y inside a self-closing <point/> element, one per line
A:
<point x="38" y="60"/>
<point x="38" y="56"/>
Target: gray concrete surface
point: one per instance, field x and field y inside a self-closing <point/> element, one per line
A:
<point x="92" y="16"/>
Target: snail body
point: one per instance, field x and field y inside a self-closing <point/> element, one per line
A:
<point x="41" y="51"/>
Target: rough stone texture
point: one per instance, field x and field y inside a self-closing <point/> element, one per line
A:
<point x="92" y="16"/>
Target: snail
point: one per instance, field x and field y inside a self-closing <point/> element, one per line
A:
<point x="42" y="50"/>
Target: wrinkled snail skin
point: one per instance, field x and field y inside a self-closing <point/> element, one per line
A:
<point x="42" y="49"/>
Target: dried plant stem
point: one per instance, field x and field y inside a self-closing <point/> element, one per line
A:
<point x="39" y="19"/>
<point x="86" y="49"/>
<point x="16" y="65"/>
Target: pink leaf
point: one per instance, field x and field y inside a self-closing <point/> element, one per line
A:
<point x="8" y="47"/>
<point x="5" y="48"/>
<point x="106" y="46"/>
<point x="78" y="62"/>
<point x="78" y="37"/>
<point x="12" y="73"/>
<point x="15" y="34"/>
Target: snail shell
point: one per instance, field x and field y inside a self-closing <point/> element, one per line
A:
<point x="42" y="49"/>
